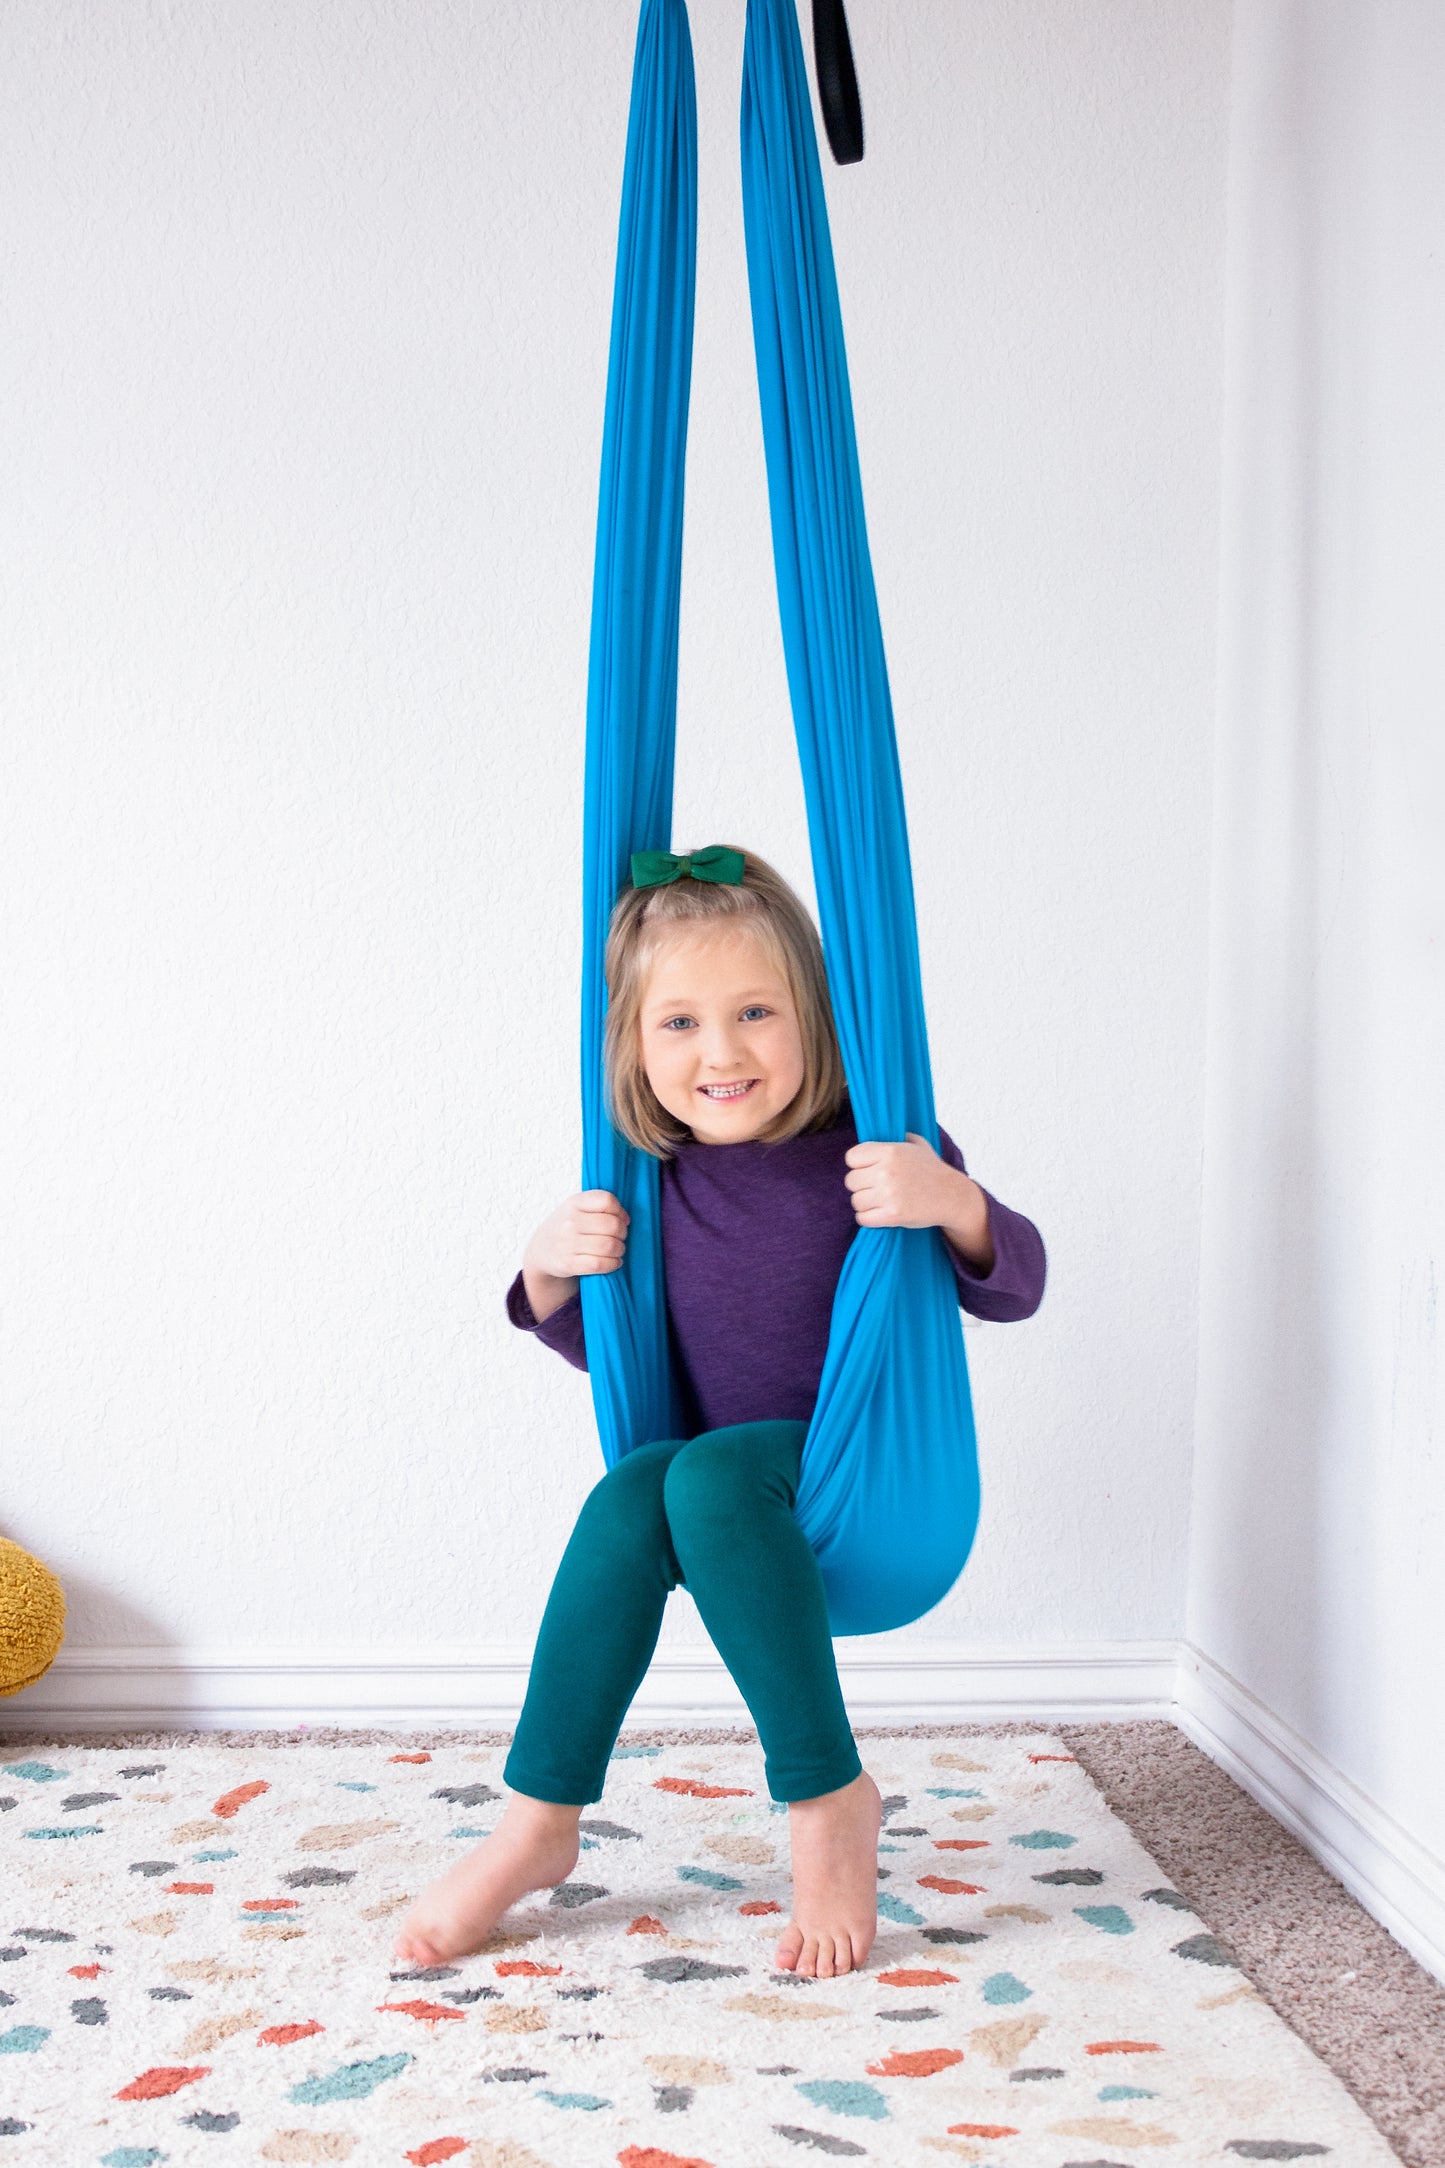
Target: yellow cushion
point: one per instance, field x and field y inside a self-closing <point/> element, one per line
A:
<point x="32" y="1617"/>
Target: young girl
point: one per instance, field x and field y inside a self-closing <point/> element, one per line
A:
<point x="722" y="1060"/>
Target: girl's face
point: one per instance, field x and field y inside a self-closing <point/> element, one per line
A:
<point x="720" y="1039"/>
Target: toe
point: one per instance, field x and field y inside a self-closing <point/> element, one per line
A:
<point x="787" y="1951"/>
<point x="826" y="1966"/>
<point x="807" y="1963"/>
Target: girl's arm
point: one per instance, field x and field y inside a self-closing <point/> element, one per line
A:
<point x="997" y="1254"/>
<point x="561" y="1329"/>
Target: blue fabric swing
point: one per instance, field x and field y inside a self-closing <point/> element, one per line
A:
<point x="889" y="1489"/>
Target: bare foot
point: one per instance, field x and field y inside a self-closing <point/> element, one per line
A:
<point x="534" y="1846"/>
<point x="835" y="1881"/>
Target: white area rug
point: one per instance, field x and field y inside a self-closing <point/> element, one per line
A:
<point x="194" y="1963"/>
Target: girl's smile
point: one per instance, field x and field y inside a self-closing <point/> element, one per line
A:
<point x="720" y="1038"/>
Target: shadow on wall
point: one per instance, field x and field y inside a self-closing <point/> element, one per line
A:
<point x="1293" y="963"/>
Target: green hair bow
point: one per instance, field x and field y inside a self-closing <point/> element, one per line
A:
<point x="654" y="869"/>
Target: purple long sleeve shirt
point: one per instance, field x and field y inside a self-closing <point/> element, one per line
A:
<point x="753" y="1241"/>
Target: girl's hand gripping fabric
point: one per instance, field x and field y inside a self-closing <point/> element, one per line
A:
<point x="909" y="1185"/>
<point x="587" y="1233"/>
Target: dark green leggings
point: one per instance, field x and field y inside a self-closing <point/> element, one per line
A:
<point x="714" y="1513"/>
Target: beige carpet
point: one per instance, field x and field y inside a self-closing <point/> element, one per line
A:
<point x="1346" y="1989"/>
<point x="1344" y="1984"/>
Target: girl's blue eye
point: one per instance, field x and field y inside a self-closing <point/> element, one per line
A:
<point x="749" y="1014"/>
<point x="681" y="1023"/>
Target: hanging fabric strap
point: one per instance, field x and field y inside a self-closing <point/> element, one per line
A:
<point x="889" y="1489"/>
<point x="632" y="682"/>
<point x="837" y="82"/>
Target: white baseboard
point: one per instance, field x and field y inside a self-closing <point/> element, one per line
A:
<point x="884" y="1682"/>
<point x="245" y="1689"/>
<point x="1379" y="1862"/>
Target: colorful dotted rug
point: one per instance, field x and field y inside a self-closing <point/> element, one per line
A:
<point x="195" y="1967"/>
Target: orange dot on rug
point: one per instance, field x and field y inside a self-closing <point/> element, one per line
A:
<point x="902" y="1976"/>
<point x="1123" y="2047"/>
<point x="960" y="1844"/>
<point x="281" y="2036"/>
<point x="651" y="2156"/>
<point x="156" y="2084"/>
<point x="647" y="1925"/>
<point x="525" y="1968"/>
<point x="430" y="2013"/>
<point x="694" y="1790"/>
<point x="982" y="2130"/>
<point x="408" y="1757"/>
<point x="231" y="1802"/>
<point x="755" y="1910"/>
<point x="190" y="1889"/>
<point x="949" y="1889"/>
<point x="435" y="2149"/>
<point x="919" y="2063"/>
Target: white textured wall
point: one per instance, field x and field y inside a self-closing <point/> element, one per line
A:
<point x="306" y="339"/>
<point x="1319" y="1518"/>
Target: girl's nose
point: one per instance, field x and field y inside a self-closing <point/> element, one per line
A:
<point x="720" y="1050"/>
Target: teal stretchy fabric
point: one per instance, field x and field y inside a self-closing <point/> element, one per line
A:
<point x="888" y="1492"/>
<point x="714" y="1512"/>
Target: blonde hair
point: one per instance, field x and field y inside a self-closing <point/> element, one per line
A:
<point x="642" y="920"/>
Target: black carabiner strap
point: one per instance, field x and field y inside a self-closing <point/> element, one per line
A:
<point x="837" y="82"/>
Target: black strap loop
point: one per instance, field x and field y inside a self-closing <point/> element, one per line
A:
<point x="837" y="82"/>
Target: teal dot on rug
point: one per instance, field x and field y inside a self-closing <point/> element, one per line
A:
<point x="589" y="2101"/>
<point x="1044" y="1840"/>
<point x="707" y="1878"/>
<point x="1126" y="2092"/>
<point x="77" y="1829"/>
<point x="845" y="2096"/>
<point x="465" y="1829"/>
<point x="201" y="1858"/>
<point x="1109" y="1919"/>
<point x="633" y="1753"/>
<point x="132" y="2156"/>
<point x="353" y="2081"/>
<point x="894" y="1909"/>
<point x="1003" y="1987"/>
<point x="950" y="1791"/>
<point x="353" y="1784"/>
<point x="23" y="2039"/>
<point x="39" y="1772"/>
